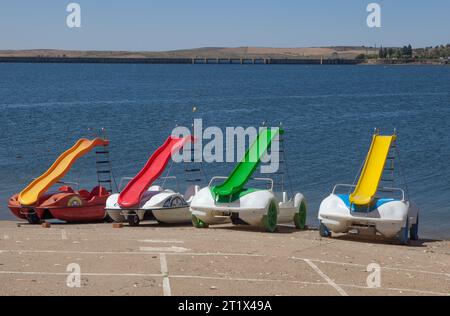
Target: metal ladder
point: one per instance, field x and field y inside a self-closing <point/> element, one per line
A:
<point x="104" y="169"/>
<point x="283" y="173"/>
<point x="194" y="170"/>
<point x="388" y="176"/>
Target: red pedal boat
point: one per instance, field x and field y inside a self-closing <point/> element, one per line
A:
<point x="35" y="203"/>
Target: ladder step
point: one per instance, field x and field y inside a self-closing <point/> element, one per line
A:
<point x="105" y="181"/>
<point x="102" y="161"/>
<point x="389" y="169"/>
<point x="192" y="170"/>
<point x="103" y="171"/>
<point x="386" y="191"/>
<point x="387" y="180"/>
<point x="194" y="180"/>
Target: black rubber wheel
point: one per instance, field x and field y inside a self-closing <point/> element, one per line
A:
<point x="33" y="219"/>
<point x="414" y="231"/>
<point x="133" y="219"/>
<point x="108" y="219"/>
<point x="403" y="236"/>
<point x="324" y="231"/>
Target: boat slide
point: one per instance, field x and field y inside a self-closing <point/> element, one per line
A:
<point x="372" y="171"/>
<point x="141" y="199"/>
<point x="30" y="195"/>
<point x="245" y="169"/>
<point x="131" y="196"/>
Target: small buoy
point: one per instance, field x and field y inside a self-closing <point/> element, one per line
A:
<point x="46" y="225"/>
<point x="117" y="225"/>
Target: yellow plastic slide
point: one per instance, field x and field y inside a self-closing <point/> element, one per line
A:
<point x="373" y="170"/>
<point x="30" y="195"/>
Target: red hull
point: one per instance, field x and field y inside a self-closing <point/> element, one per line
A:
<point x="84" y="214"/>
<point x="66" y="205"/>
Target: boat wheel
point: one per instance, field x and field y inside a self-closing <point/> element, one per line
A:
<point x="133" y="219"/>
<point x="404" y="233"/>
<point x="270" y="220"/>
<point x="300" y="216"/>
<point x="33" y="218"/>
<point x="414" y="232"/>
<point x="324" y="231"/>
<point x="198" y="223"/>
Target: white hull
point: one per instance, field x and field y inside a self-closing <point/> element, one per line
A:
<point x="249" y="209"/>
<point x="166" y="206"/>
<point x="387" y="219"/>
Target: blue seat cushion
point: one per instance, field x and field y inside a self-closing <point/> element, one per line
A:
<point x="355" y="208"/>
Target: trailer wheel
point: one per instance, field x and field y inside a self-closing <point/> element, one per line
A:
<point x="300" y="217"/>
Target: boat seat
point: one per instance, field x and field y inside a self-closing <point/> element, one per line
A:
<point x="155" y="188"/>
<point x="190" y="192"/>
<point x="66" y="189"/>
<point x="85" y="194"/>
<point x="98" y="191"/>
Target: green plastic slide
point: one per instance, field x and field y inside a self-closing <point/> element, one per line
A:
<point x="234" y="185"/>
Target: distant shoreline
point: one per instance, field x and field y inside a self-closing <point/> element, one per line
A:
<point x="336" y="55"/>
<point x="215" y="61"/>
<point x="192" y="61"/>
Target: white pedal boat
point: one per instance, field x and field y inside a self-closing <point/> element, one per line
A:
<point x="262" y="208"/>
<point x="391" y="218"/>
<point x="367" y="210"/>
<point x="163" y="205"/>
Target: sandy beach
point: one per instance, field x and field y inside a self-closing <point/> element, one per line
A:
<point x="223" y="260"/>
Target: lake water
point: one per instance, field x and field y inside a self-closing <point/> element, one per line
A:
<point x="329" y="113"/>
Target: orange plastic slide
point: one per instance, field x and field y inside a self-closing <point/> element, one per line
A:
<point x="30" y="195"/>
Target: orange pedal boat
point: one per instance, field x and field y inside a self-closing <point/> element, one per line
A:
<point x="35" y="203"/>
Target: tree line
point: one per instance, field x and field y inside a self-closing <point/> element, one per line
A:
<point x="408" y="52"/>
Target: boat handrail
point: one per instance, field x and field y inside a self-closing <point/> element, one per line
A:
<point x="216" y="178"/>
<point x="382" y="188"/>
<point x="342" y="185"/>
<point x="256" y="179"/>
<point x="266" y="179"/>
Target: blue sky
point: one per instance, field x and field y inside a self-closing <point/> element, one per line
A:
<point x="176" y="24"/>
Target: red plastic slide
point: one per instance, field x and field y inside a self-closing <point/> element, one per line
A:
<point x="131" y="195"/>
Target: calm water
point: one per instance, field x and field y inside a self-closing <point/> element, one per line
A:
<point x="329" y="113"/>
